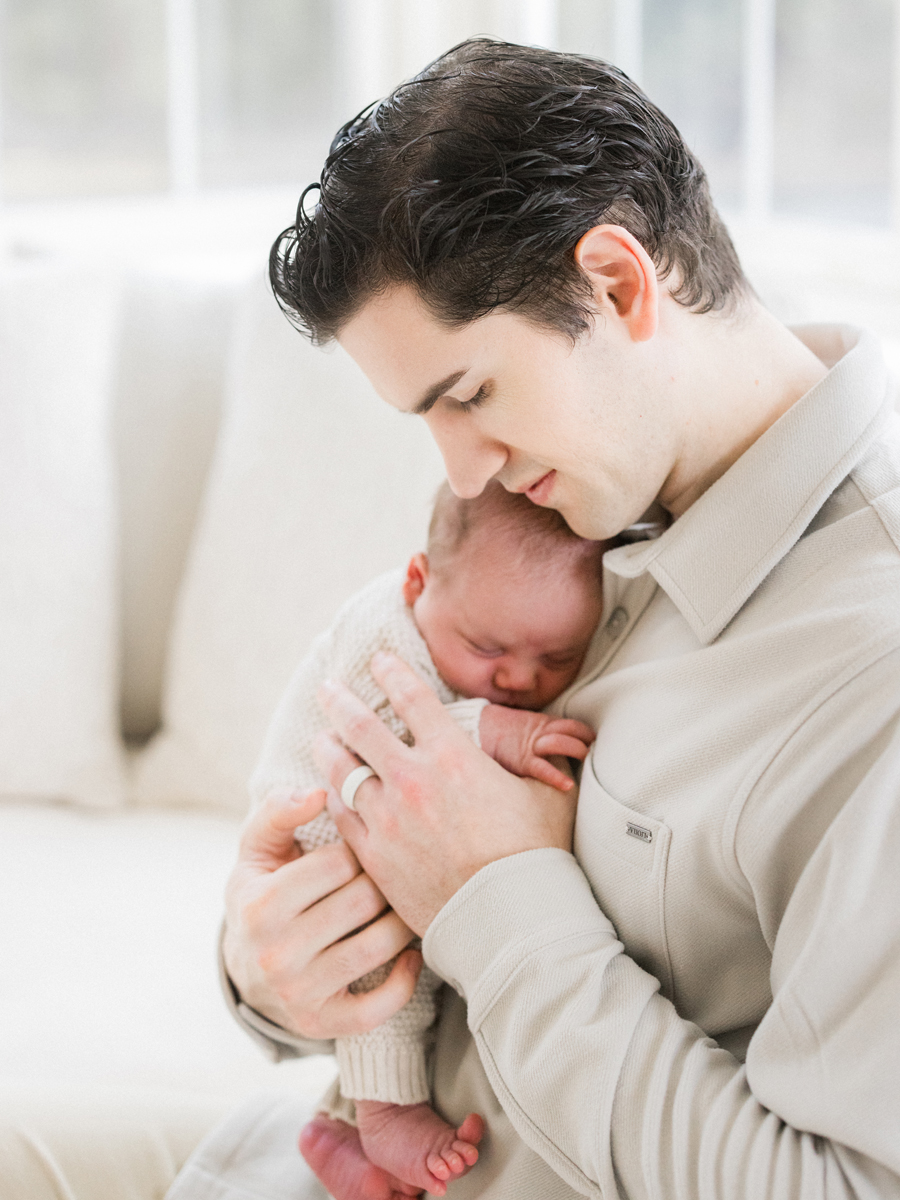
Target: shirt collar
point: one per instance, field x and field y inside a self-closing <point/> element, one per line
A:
<point x="717" y="553"/>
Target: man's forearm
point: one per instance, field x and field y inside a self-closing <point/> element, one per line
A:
<point x="597" y="1071"/>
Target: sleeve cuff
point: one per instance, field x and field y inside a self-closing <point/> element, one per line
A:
<point x="510" y="910"/>
<point x="467" y="715"/>
<point x="395" y="1074"/>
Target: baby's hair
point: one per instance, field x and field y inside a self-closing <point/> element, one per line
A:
<point x="538" y="533"/>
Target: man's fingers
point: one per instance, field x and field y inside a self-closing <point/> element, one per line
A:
<point x="413" y="700"/>
<point x="561" y="744"/>
<point x="308" y="879"/>
<point x="298" y="906"/>
<point x="331" y="922"/>
<point x="267" y="839"/>
<point x="367" y="1010"/>
<point x="545" y="772"/>
<point x="336" y="762"/>
<point x="358" y="727"/>
<point x="354" y="957"/>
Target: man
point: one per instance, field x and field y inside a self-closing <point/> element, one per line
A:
<point x="701" y="1001"/>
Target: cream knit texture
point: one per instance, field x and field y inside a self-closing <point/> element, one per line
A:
<point x="390" y="1062"/>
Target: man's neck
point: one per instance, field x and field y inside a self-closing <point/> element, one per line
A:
<point x="745" y="372"/>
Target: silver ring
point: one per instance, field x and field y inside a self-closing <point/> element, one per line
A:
<point x="351" y="784"/>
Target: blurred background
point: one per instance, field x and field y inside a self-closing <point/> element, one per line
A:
<point x="140" y="127"/>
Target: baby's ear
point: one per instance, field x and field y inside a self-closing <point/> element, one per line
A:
<point x="416" y="578"/>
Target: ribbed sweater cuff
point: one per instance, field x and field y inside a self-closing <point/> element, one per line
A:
<point x="467" y="715"/>
<point x="387" y="1071"/>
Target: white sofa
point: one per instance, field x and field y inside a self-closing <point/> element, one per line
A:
<point x="187" y="491"/>
<point x="190" y="490"/>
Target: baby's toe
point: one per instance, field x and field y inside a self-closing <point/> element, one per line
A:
<point x="438" y="1167"/>
<point x="471" y="1130"/>
<point x="454" y="1160"/>
<point x="467" y="1152"/>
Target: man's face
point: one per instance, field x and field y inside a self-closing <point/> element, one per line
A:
<point x="581" y="428"/>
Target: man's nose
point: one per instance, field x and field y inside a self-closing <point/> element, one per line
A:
<point x="471" y="459"/>
<point x="513" y="675"/>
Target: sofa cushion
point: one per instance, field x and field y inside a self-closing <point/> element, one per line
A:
<point x="58" y="584"/>
<point x="174" y="340"/>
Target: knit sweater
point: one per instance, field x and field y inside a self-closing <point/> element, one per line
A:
<point x="390" y="1062"/>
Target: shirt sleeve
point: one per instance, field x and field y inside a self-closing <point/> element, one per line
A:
<point x="622" y="1097"/>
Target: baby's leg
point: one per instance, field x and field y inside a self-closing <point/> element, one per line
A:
<point x="333" y="1150"/>
<point x="411" y="1142"/>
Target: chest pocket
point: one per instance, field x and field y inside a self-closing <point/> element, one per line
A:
<point x="624" y="855"/>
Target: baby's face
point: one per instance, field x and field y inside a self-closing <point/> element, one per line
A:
<point x="512" y="635"/>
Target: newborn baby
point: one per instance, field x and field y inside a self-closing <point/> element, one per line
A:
<point x="496" y="617"/>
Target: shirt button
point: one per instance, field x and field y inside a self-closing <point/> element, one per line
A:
<point x="617" y="622"/>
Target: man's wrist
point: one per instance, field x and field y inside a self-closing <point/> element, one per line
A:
<point x="510" y="909"/>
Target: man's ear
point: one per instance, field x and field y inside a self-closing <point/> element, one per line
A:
<point x="416" y="578"/>
<point x="623" y="276"/>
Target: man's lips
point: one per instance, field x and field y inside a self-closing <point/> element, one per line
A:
<point x="539" y="491"/>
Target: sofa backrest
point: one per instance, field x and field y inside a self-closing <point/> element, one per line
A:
<point x="175" y="334"/>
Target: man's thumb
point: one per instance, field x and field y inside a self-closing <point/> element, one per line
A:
<point x="267" y="839"/>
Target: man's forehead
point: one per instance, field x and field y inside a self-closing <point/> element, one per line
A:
<point x="412" y="357"/>
<point x="405" y="351"/>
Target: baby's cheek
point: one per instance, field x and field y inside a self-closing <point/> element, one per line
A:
<point x="478" y="679"/>
<point x="554" y="685"/>
<point x="463" y="673"/>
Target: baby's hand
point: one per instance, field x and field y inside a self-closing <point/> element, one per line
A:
<point x="522" y="741"/>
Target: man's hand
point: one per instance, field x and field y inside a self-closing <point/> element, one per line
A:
<point x="438" y="811"/>
<point x="290" y="945"/>
<point x="522" y="741"/>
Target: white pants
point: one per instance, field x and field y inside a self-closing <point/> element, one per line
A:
<point x="122" y="1144"/>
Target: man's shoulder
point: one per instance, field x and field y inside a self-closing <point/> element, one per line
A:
<point x="843" y="575"/>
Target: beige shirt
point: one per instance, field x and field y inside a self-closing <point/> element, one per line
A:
<point x="735" y="889"/>
<point x="737" y="848"/>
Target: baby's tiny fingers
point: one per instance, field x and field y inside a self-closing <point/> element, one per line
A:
<point x="573" y="728"/>
<point x="558" y="743"/>
<point x="545" y="772"/>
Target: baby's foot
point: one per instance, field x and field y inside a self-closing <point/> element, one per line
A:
<point x="411" y="1142"/>
<point x="333" y="1150"/>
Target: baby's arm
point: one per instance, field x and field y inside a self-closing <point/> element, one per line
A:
<point x="523" y="741"/>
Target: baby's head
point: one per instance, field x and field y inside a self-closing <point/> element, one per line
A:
<point x="507" y="597"/>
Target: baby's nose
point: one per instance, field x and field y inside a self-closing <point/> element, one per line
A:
<point x="514" y="676"/>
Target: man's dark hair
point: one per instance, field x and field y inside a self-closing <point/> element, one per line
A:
<point x="474" y="182"/>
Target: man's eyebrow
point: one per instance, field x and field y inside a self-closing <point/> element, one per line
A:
<point x="431" y="397"/>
